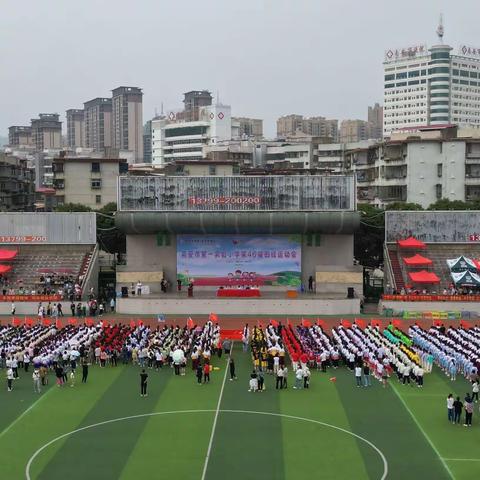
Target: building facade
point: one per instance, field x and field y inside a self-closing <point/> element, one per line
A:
<point x="17" y="184"/>
<point x="98" y="123"/>
<point x="174" y="139"/>
<point x="127" y="120"/>
<point x="355" y="131"/>
<point x="248" y="127"/>
<point x="75" y="128"/>
<point x="46" y="131"/>
<point x="375" y="118"/>
<point x="88" y="181"/>
<point x="436" y="163"/>
<point x="431" y="86"/>
<point x="147" y="142"/>
<point x="19" y="136"/>
<point x="315" y="126"/>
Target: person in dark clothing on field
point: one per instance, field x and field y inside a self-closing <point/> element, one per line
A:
<point x="143" y="383"/>
<point x="84" y="370"/>
<point x="231" y="364"/>
<point x="457" y="407"/>
<point x="199" y="373"/>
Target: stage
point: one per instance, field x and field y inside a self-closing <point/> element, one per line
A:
<point x="270" y="303"/>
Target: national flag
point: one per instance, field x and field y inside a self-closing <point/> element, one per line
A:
<point x="16" y="322"/>
<point x="140" y="322"/>
<point x="104" y="324"/>
<point x="89" y="322"/>
<point x="306" y="323"/>
<point x="360" y="322"/>
<point x="190" y="323"/>
<point x="72" y="321"/>
<point x="274" y="322"/>
<point x="213" y="317"/>
<point x="58" y="323"/>
<point x="376" y="322"/>
<point x="437" y="323"/>
<point x="46" y="322"/>
<point x="289" y="323"/>
<point x="29" y="322"/>
<point x="321" y="323"/>
<point x="346" y="323"/>
<point x="132" y="323"/>
<point x="465" y="324"/>
<point x="397" y="322"/>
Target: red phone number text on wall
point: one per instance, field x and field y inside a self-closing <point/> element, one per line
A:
<point x="22" y="238"/>
<point x="224" y="201"/>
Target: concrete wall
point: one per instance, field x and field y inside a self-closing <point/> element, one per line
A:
<point x="144" y="255"/>
<point x="223" y="306"/>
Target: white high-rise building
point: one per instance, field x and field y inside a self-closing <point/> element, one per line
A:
<point x="431" y="86"/>
<point x="186" y="140"/>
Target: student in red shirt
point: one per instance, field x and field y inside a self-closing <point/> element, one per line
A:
<point x="206" y="373"/>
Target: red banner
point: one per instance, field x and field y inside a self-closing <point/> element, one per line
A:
<point x="30" y="298"/>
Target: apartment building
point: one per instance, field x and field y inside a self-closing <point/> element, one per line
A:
<point x="289" y="125"/>
<point x="89" y="181"/>
<point x="17" y="184"/>
<point x="76" y="128"/>
<point x="19" y="136"/>
<point x="98" y="123"/>
<point x="46" y="131"/>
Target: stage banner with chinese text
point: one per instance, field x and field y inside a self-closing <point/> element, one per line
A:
<point x="245" y="260"/>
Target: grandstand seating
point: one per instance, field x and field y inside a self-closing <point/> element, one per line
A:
<point x="66" y="260"/>
<point x="438" y="253"/>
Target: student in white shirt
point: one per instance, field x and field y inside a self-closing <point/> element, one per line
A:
<point x="358" y="375"/>
<point x="450" y="410"/>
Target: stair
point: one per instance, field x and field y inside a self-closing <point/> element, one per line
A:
<point x="397" y="269"/>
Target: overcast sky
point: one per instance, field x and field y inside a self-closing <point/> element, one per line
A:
<point x="266" y="58"/>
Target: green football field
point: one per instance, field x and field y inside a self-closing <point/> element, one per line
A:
<point x="105" y="430"/>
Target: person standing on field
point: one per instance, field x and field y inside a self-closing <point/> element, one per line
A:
<point x="36" y="381"/>
<point x="231" y="365"/>
<point x="84" y="370"/>
<point x="143" y="383"/>
<point x="10" y="379"/>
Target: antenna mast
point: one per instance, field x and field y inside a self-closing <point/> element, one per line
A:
<point x="440" y="29"/>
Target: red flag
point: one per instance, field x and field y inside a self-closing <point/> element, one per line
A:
<point x="376" y="323"/>
<point x="132" y="324"/>
<point x="274" y="322"/>
<point x="306" y="323"/>
<point x="89" y="322"/>
<point x="465" y="324"/>
<point x="104" y="324"/>
<point x="437" y="323"/>
<point x="29" y="322"/>
<point x="72" y="321"/>
<point x="321" y="323"/>
<point x="140" y="322"/>
<point x="213" y="317"/>
<point x="346" y="324"/>
<point x="46" y="322"/>
<point x="289" y="323"/>
<point x="360" y="322"/>
<point x="58" y="323"/>
<point x="190" y="323"/>
<point x="397" y="322"/>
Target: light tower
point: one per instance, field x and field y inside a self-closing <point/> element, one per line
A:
<point x="440" y="29"/>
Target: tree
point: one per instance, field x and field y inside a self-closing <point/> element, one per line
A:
<point x="446" y="204"/>
<point x="369" y="238"/>
<point x="404" y="206"/>
<point x="72" y="207"/>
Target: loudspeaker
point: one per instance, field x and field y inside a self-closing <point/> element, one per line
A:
<point x="124" y="292"/>
<point x="350" y="292"/>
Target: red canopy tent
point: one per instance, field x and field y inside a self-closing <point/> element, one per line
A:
<point x="417" y="260"/>
<point x="410" y="242"/>
<point x="423" y="277"/>
<point x="7" y="254"/>
<point x="5" y="268"/>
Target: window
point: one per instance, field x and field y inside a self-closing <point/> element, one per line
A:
<point x="438" y="70"/>
<point x="95" y="167"/>
<point x="436" y="55"/>
<point x="389" y="77"/>
<point x="212" y="170"/>
<point x="438" y="190"/>
<point x="96" y="183"/>
<point x="59" y="184"/>
<point x="98" y="199"/>
<point x="401" y="75"/>
<point x="58" y="167"/>
<point x="439" y="169"/>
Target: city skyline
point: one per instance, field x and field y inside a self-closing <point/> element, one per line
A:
<point x="249" y="54"/>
